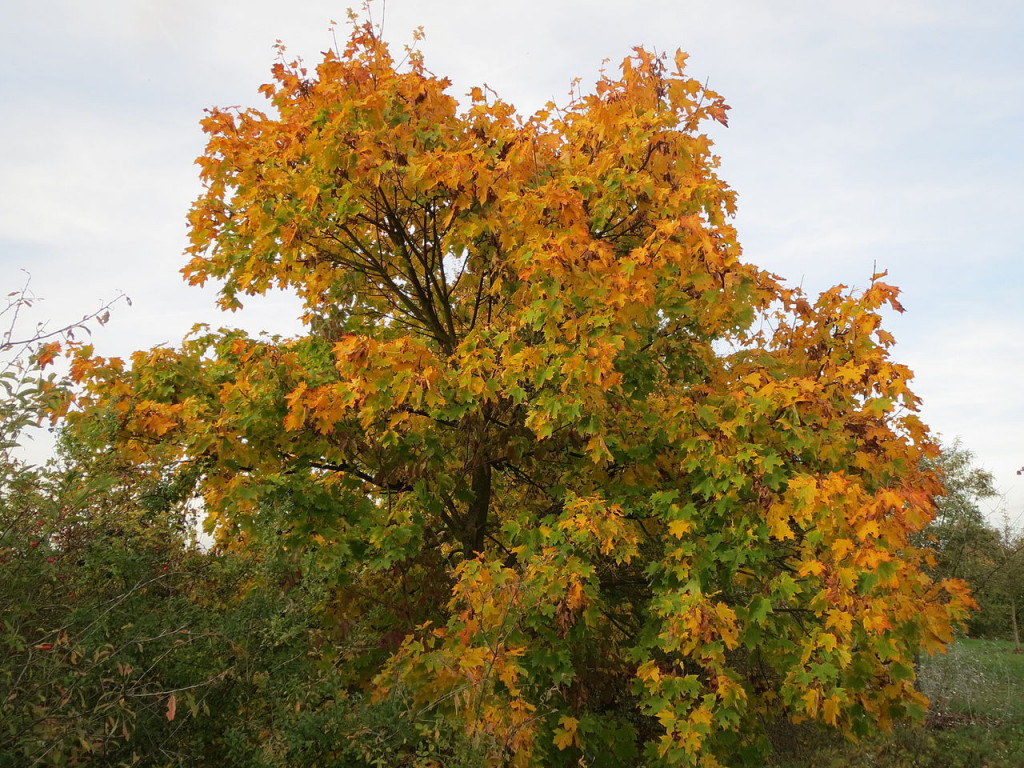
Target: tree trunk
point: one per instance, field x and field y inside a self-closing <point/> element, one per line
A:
<point x="476" y="522"/>
<point x="1013" y="623"/>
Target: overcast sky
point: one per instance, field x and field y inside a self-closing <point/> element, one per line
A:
<point x="877" y="132"/>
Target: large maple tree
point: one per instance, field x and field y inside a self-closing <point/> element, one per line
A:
<point x="596" y="487"/>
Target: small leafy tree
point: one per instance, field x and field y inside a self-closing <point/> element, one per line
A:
<point x="586" y="486"/>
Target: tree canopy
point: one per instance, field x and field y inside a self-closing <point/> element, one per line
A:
<point x="583" y="483"/>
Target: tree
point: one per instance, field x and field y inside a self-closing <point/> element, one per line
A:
<point x="1004" y="581"/>
<point x="586" y="486"/>
<point x="960" y="533"/>
<point x="969" y="547"/>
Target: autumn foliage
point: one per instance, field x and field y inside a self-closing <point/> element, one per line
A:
<point x="587" y="487"/>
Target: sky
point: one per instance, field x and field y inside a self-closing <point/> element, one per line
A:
<point x="867" y="136"/>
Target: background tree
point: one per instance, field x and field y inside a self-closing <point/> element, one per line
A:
<point x="997" y="582"/>
<point x="960" y="532"/>
<point x="971" y="547"/>
<point x="581" y="481"/>
<point x="1007" y="578"/>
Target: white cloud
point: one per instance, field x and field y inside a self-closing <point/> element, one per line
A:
<point x="970" y="375"/>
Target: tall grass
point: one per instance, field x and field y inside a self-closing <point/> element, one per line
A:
<point x="976" y="680"/>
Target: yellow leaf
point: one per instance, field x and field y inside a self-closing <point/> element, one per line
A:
<point x="566" y="733"/>
<point x="830" y="710"/>
<point x="310" y="196"/>
<point x="472" y="658"/>
<point x="576" y="596"/>
<point x="648" y="671"/>
<point x="841" y="549"/>
<point x="868" y="529"/>
<point x="598" y="450"/>
<point x="811" y="698"/>
<point x="811" y="567"/>
<point x="779" y="526"/>
<point x="158" y="424"/>
<point x="679" y="528"/>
